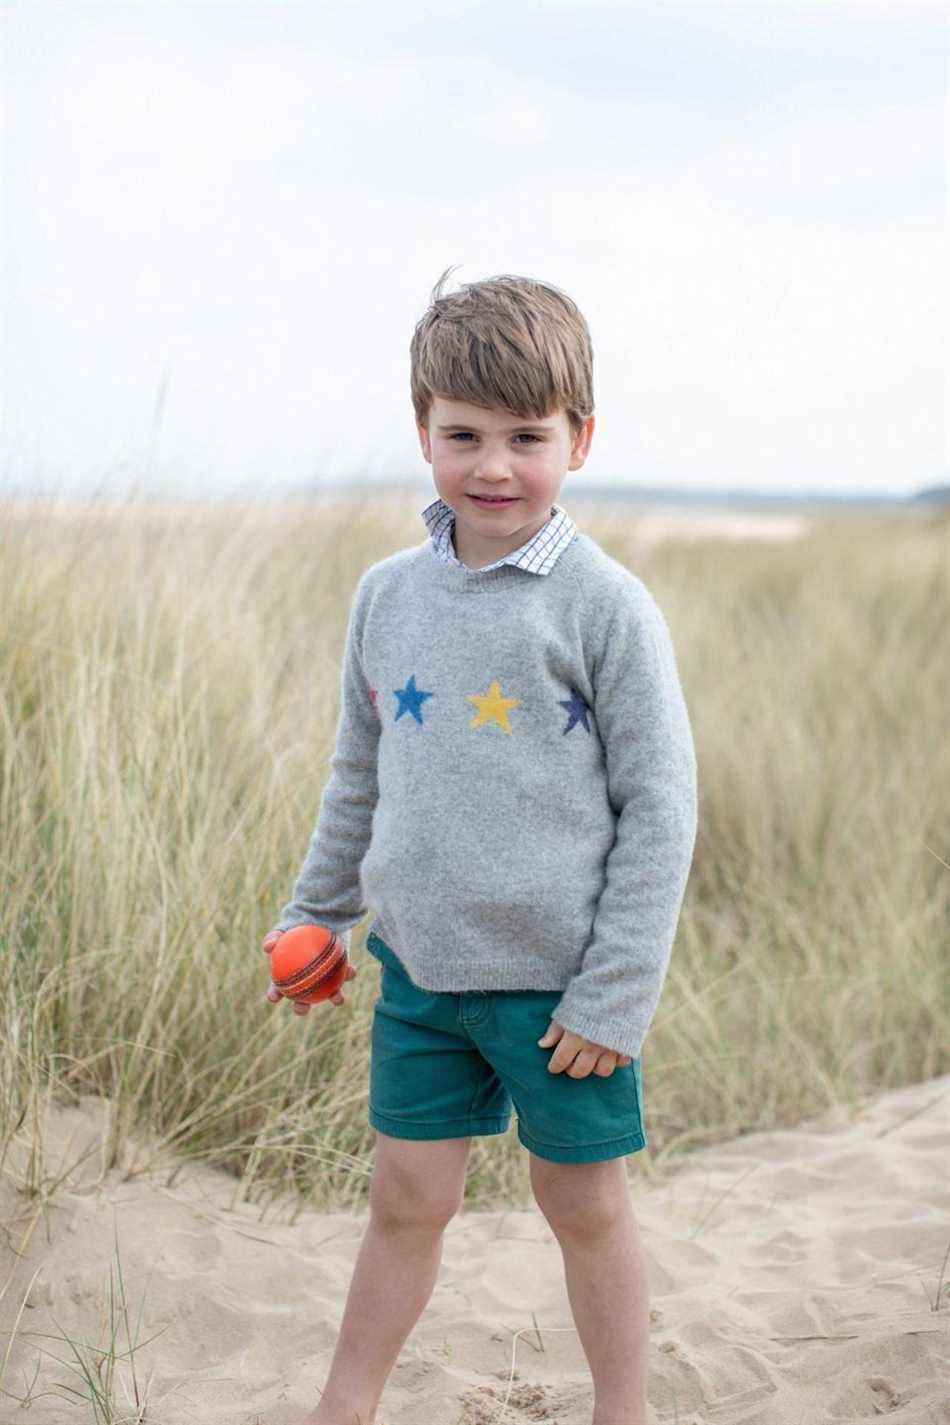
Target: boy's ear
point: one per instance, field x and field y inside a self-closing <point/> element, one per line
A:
<point x="580" y="448"/>
<point x="424" y="442"/>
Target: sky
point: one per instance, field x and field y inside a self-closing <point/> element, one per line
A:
<point x="221" y="222"/>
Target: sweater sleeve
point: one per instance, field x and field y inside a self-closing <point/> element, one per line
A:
<point x="651" y="784"/>
<point x="327" y="890"/>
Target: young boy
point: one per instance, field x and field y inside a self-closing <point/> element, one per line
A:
<point x="513" y="793"/>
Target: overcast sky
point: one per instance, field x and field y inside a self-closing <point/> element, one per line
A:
<point x="222" y="221"/>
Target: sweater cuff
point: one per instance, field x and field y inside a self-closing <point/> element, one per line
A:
<point x="622" y="1037"/>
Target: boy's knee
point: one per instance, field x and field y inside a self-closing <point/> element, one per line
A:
<point x="418" y="1183"/>
<point x="581" y="1198"/>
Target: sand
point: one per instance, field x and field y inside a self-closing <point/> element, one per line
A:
<point x="797" y="1277"/>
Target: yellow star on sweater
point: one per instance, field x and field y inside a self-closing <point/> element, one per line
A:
<point x="492" y="705"/>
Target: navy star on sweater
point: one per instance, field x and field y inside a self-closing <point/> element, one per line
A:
<point x="578" y="710"/>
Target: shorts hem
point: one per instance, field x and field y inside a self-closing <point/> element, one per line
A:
<point x="449" y="1128"/>
<point x="584" y="1152"/>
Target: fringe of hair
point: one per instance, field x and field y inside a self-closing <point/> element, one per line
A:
<point x="505" y="341"/>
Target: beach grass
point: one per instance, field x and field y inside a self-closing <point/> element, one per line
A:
<point x="99" y="1375"/>
<point x="169" y="681"/>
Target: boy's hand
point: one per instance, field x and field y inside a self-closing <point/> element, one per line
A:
<point x="274" y="994"/>
<point x="579" y="1055"/>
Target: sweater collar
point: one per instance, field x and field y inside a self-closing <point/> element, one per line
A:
<point x="538" y="555"/>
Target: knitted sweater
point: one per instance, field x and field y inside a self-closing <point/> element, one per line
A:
<point x="513" y="789"/>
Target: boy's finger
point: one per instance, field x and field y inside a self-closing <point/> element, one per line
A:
<point x="274" y="994"/>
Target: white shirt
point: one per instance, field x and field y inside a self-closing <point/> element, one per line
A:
<point x="539" y="554"/>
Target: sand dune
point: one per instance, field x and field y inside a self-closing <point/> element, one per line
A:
<point x="647" y="527"/>
<point x="794" y="1280"/>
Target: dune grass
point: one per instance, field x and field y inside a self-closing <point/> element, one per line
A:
<point x="168" y="702"/>
<point x="100" y="1375"/>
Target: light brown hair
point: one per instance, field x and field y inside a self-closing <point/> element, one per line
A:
<point x="505" y="341"/>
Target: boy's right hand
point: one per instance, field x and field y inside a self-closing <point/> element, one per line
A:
<point x="274" y="994"/>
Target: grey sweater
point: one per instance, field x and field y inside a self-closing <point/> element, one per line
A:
<point x="513" y="788"/>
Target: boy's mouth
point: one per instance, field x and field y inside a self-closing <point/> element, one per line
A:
<point x="484" y="500"/>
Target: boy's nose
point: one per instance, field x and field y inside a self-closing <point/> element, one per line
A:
<point x="492" y="467"/>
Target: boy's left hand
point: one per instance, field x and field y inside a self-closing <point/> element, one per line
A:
<point x="579" y="1055"/>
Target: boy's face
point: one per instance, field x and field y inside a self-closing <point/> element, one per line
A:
<point x="474" y="450"/>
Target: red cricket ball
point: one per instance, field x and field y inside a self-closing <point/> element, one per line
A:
<point x="308" y="963"/>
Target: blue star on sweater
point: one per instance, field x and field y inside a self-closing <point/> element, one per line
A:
<point x="411" y="699"/>
<point x="577" y="708"/>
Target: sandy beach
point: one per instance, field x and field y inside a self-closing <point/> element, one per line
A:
<point x="797" y="1277"/>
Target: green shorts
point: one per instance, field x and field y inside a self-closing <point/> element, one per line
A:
<point x="451" y="1065"/>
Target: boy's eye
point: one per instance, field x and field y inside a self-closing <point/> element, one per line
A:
<point x="465" y="435"/>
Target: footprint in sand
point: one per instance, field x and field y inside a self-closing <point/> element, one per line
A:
<point x="525" y="1402"/>
<point x="886" y="1397"/>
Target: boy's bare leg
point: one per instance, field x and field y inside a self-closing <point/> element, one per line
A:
<point x="589" y="1208"/>
<point x="417" y="1188"/>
